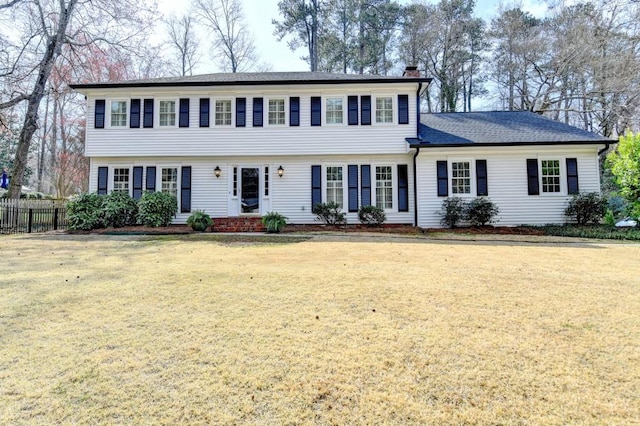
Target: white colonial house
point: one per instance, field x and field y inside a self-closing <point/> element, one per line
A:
<point x="244" y="144"/>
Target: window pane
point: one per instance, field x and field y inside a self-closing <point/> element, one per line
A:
<point x="121" y="180"/>
<point x="334" y="111"/>
<point x="118" y="113"/>
<point x="167" y="113"/>
<point x="276" y="111"/>
<point x="550" y="175"/>
<point x="170" y="181"/>
<point x="461" y="178"/>
<point x="384" y="187"/>
<point x="334" y="186"/>
<point x="384" y="110"/>
<point x="223" y="113"/>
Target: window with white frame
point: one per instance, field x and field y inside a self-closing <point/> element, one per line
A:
<point x="170" y="181"/>
<point x="461" y="177"/>
<point x="384" y="109"/>
<point x="334" y="111"/>
<point x="118" y="113"/>
<point x="335" y="191"/>
<point x="550" y="173"/>
<point x="223" y="112"/>
<point x="276" y="112"/>
<point x="167" y="113"/>
<point x="266" y="181"/>
<point x="384" y="187"/>
<point x="121" y="180"/>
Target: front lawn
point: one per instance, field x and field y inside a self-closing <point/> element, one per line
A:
<point x="193" y="330"/>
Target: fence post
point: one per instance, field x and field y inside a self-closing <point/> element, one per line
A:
<point x="55" y="219"/>
<point x="30" y="220"/>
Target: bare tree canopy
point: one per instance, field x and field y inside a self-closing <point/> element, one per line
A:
<point x="47" y="31"/>
<point x="183" y="42"/>
<point x="232" y="41"/>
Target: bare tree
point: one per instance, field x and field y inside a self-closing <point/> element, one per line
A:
<point x="183" y="42"/>
<point x="45" y="29"/>
<point x="232" y="41"/>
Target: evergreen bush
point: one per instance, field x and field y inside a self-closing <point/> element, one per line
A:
<point x="371" y="216"/>
<point x="587" y="208"/>
<point x="330" y="214"/>
<point x="482" y="211"/>
<point x="85" y="212"/>
<point x="157" y="209"/>
<point x="119" y="210"/>
<point x="453" y="211"/>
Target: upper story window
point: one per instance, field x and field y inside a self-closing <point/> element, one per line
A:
<point x="167" y="111"/>
<point x="384" y="109"/>
<point x="461" y="177"/>
<point x="550" y="173"/>
<point x="223" y="113"/>
<point x="335" y="191"/>
<point x="384" y="187"/>
<point x="334" y="111"/>
<point x="118" y="113"/>
<point x="121" y="180"/>
<point x="276" y="112"/>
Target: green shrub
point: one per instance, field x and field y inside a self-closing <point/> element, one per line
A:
<point x="119" y="210"/>
<point x="482" y="211"/>
<point x="330" y="214"/>
<point x="199" y="220"/>
<point x="157" y="209"/>
<point x="591" y="231"/>
<point x="609" y="218"/>
<point x="85" y="212"/>
<point x="371" y="215"/>
<point x="453" y="211"/>
<point x="274" y="221"/>
<point x="587" y="208"/>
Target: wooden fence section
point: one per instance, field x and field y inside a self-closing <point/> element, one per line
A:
<point x="27" y="216"/>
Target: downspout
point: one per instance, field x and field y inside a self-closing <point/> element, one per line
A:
<point x="603" y="150"/>
<point x="415" y="188"/>
<point x="415" y="170"/>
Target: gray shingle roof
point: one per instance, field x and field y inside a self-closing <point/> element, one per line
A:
<point x="252" y="78"/>
<point x="498" y="128"/>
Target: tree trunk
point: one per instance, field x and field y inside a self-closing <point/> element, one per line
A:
<point x="54" y="47"/>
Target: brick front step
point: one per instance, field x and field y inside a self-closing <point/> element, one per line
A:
<point x="238" y="224"/>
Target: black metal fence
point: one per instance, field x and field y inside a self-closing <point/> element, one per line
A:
<point x="27" y="216"/>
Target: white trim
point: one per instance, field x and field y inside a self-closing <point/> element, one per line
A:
<point x="374" y="109"/>
<point x="394" y="185"/>
<point x="127" y="103"/>
<point x="285" y="100"/>
<point x="473" y="190"/>
<point x="212" y="112"/>
<point x="562" y="162"/>
<point x="325" y="110"/>
<point x="156" y="112"/>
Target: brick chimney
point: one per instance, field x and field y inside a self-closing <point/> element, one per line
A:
<point x="411" y="71"/>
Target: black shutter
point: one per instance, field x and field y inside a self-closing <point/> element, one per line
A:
<point x="137" y="182"/>
<point x="316" y="110"/>
<point x="353" y="187"/>
<point x="316" y="186"/>
<point x="134" y="114"/>
<point x="365" y="184"/>
<point x="403" y="188"/>
<point x="294" y="111"/>
<point x="241" y="112"/>
<point x="482" y="187"/>
<point x="532" y="176"/>
<point x="151" y="179"/>
<point x="365" y="110"/>
<point x="99" y="114"/>
<point x="204" y="112"/>
<point x="572" y="176"/>
<point x="185" y="190"/>
<point x="257" y="112"/>
<point x="352" y="107"/>
<point x="403" y="109"/>
<point x="443" y="179"/>
<point x="147" y="121"/>
<point x="103" y="178"/>
<point x="184" y="113"/>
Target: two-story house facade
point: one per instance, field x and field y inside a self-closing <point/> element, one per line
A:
<point x="248" y="143"/>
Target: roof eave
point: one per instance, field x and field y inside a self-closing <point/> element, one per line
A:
<point x="422" y="144"/>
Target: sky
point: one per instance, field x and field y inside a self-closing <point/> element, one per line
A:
<point x="260" y="13"/>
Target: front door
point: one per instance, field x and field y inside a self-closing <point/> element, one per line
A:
<point x="250" y="190"/>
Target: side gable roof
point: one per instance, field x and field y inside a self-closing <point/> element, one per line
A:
<point x="253" y="79"/>
<point x="502" y="128"/>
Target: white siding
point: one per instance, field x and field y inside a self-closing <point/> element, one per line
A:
<point x="249" y="140"/>
<point x="507" y="182"/>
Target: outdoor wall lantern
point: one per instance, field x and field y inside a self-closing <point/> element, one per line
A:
<point x="280" y="171"/>
<point x="217" y="171"/>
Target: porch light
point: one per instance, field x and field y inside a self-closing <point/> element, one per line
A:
<point x="280" y="171"/>
<point x="217" y="171"/>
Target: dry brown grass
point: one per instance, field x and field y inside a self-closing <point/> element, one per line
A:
<point x="112" y="330"/>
